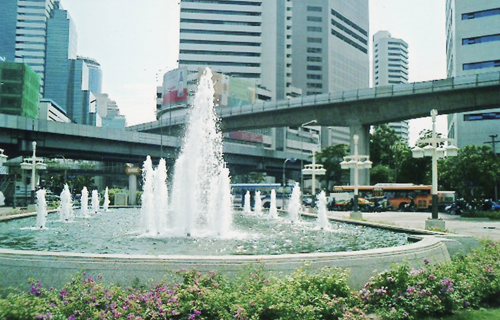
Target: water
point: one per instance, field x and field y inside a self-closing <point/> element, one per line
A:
<point x="294" y="205"/>
<point x="273" y="211"/>
<point x="246" y="207"/>
<point x="201" y="199"/>
<point x="322" y="210"/>
<point x="66" y="207"/>
<point x="2" y="199"/>
<point x="84" y="200"/>
<point x="116" y="231"/>
<point x="258" y="204"/>
<point x="41" y="209"/>
<point x="95" y="201"/>
<point x="105" y="204"/>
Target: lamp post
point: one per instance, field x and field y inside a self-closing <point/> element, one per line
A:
<point x="356" y="162"/>
<point x="302" y="150"/>
<point x="33" y="164"/>
<point x="434" y="150"/>
<point x="284" y="180"/>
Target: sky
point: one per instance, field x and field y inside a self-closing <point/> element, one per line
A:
<point x="137" y="41"/>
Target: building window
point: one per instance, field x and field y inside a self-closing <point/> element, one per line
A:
<point x="314" y="9"/>
<point x="314" y="76"/>
<point x="349" y="41"/>
<point x="314" y="29"/>
<point x="482" y="39"/>
<point x="349" y="22"/>
<point x="314" y="19"/>
<point x="314" y="40"/>
<point x="481" y="14"/>
<point x="314" y="50"/>
<point x="481" y="65"/>
<point x="311" y="85"/>
<point x="482" y="116"/>
<point x="314" y="68"/>
<point x="314" y="59"/>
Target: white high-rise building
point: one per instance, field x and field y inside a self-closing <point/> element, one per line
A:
<point x="390" y="66"/>
<point x="473" y="47"/>
<point x="286" y="46"/>
<point x="330" y="51"/>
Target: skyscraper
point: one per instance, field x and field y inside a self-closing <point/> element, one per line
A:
<point x="473" y="47"/>
<point x="330" y="51"/>
<point x="24" y="32"/>
<point x="317" y="46"/>
<point x="390" y="66"/>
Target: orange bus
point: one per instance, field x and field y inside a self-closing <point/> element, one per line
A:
<point x="401" y="195"/>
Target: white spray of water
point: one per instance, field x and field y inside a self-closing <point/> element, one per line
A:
<point x="66" y="206"/>
<point x="273" y="211"/>
<point x="258" y="204"/>
<point x="147" y="209"/>
<point x="2" y="199"/>
<point x="246" y="207"/>
<point x="105" y="204"/>
<point x="221" y="213"/>
<point x="84" y="200"/>
<point x="160" y="199"/>
<point x="321" y="206"/>
<point x="41" y="209"/>
<point x="95" y="201"/>
<point x="294" y="206"/>
<point x="198" y="169"/>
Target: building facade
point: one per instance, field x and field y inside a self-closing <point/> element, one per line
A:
<point x="330" y="51"/>
<point x="19" y="90"/>
<point x="24" y="32"/>
<point x="390" y="66"/>
<point x="473" y="47"/>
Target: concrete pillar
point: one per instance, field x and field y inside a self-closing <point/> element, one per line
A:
<point x="363" y="132"/>
<point x="132" y="173"/>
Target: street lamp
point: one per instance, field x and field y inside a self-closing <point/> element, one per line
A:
<point x="284" y="180"/>
<point x="434" y="150"/>
<point x="3" y="157"/>
<point x="356" y="162"/>
<point x="33" y="164"/>
<point x="302" y="149"/>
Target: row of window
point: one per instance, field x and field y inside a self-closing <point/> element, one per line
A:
<point x="349" y="32"/>
<point x="314" y="76"/>
<point x="220" y="43"/>
<point x="314" y="9"/>
<point x="314" y="59"/>
<point x="312" y="85"/>
<point x="221" y="53"/>
<point x="314" y="29"/>
<point x="481" y="39"/>
<point x="314" y="19"/>
<point x="314" y="50"/>
<point x="349" y="41"/>
<point x="223" y="22"/>
<point x="349" y="22"/>
<point x="219" y="63"/>
<point x="222" y="12"/>
<point x="481" y="14"/>
<point x="481" y="65"/>
<point x="398" y="44"/>
<point x="482" y="116"/>
<point x="240" y="3"/>
<point x="221" y="32"/>
<point x="314" y="40"/>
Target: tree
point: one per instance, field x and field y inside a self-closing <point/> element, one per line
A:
<point x="472" y="173"/>
<point x="381" y="142"/>
<point x="330" y="157"/>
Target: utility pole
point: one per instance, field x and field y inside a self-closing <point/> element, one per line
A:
<point x="493" y="143"/>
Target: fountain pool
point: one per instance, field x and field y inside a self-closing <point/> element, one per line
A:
<point x="198" y="215"/>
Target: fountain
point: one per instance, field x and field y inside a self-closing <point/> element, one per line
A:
<point x="258" y="204"/>
<point x="197" y="229"/>
<point x="246" y="207"/>
<point x="41" y="209"/>
<point x="66" y="206"/>
<point x="95" y="201"/>
<point x="105" y="204"/>
<point x="294" y="205"/>
<point x="321" y="206"/>
<point x="273" y="211"/>
<point x="84" y="202"/>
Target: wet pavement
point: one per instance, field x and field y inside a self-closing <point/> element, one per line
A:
<point x="476" y="227"/>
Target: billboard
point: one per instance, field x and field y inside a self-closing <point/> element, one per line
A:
<point x="175" y="90"/>
<point x="231" y="92"/>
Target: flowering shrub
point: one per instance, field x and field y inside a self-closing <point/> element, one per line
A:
<point x="470" y="281"/>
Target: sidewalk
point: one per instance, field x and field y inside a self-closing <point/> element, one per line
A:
<point x="475" y="227"/>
